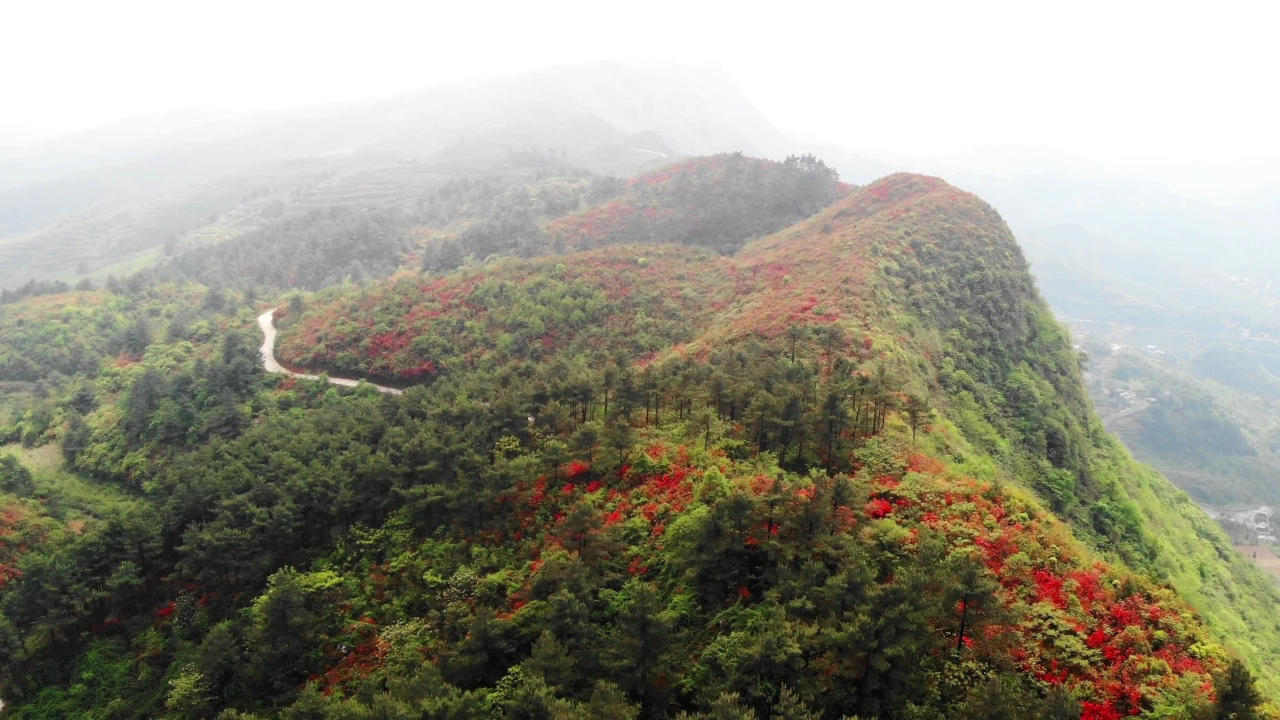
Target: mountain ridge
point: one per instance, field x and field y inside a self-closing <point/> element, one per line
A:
<point x="938" y="252"/>
<point x="847" y="468"/>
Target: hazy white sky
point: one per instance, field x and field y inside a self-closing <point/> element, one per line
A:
<point x="1103" y="79"/>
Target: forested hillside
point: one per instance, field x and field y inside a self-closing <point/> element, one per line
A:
<point x="535" y="206"/>
<point x="719" y="203"/>
<point x="848" y="470"/>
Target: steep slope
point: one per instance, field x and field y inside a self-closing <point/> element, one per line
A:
<point x="1012" y="386"/>
<point x="961" y="298"/>
<point x="907" y="278"/>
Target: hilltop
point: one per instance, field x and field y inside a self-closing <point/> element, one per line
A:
<point x="819" y="271"/>
<point x="718" y="202"/>
<point x="522" y="207"/>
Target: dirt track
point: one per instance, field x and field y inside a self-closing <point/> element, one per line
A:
<point x="1137" y="407"/>
<point x="267" y="323"/>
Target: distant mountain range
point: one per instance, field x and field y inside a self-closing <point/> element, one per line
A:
<point x="106" y="200"/>
<point x="90" y="200"/>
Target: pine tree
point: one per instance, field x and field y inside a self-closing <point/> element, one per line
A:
<point x="138" y="337"/>
<point x="550" y="662"/>
<point x="918" y="409"/>
<point x="228" y="420"/>
<point x="1238" y="698"/>
<point x="144" y="399"/>
<point x="791" y="707"/>
<point x="1059" y="705"/>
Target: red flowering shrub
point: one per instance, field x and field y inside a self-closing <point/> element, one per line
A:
<point x="1111" y="637"/>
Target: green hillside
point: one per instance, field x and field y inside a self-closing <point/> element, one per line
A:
<point x="988" y="386"/>
<point x="717" y="202"/>
<point x="440" y="217"/>
<point x="849" y="470"/>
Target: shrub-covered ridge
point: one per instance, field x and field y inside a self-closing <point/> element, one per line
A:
<point x="848" y="471"/>
<point x="918" y="270"/>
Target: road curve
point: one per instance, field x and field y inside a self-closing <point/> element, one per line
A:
<point x="1137" y="408"/>
<point x="1130" y="327"/>
<point x="267" y="323"/>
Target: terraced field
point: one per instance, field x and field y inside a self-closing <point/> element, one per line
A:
<point x="116" y="230"/>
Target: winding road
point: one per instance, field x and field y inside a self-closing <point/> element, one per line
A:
<point x="1130" y="327"/>
<point x="1136" y="408"/>
<point x="267" y="323"/>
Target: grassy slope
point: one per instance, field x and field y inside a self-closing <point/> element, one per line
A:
<point x="65" y="494"/>
<point x="933" y="279"/>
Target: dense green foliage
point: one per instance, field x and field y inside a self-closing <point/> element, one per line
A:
<point x="615" y="531"/>
<point x="719" y="203"/>
<point x="54" y="338"/>
<point x="492" y="217"/>
<point x="312" y="250"/>
<point x="66" y="335"/>
<point x="35" y="288"/>
<point x="821" y="478"/>
<point x="511" y="312"/>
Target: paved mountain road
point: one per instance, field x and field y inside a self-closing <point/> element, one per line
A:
<point x="267" y="323"/>
<point x="1136" y="408"/>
